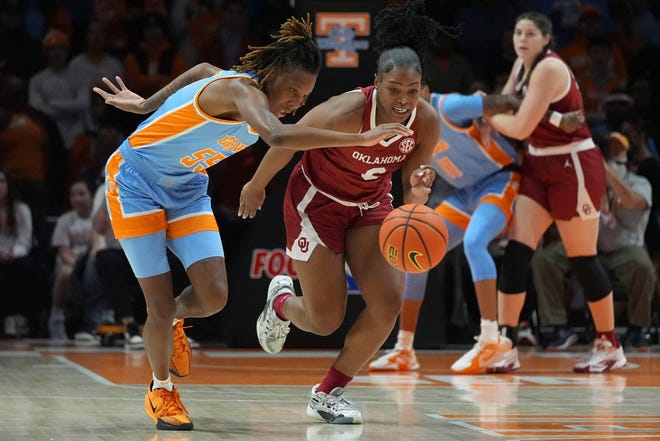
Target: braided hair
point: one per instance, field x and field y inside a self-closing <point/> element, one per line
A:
<point x="402" y="36"/>
<point x="544" y="24"/>
<point x="294" y="47"/>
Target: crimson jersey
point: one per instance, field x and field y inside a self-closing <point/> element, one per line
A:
<point x="547" y="135"/>
<point x="360" y="174"/>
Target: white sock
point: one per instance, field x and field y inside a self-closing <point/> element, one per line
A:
<point x="405" y="339"/>
<point x="489" y="330"/>
<point x="162" y="384"/>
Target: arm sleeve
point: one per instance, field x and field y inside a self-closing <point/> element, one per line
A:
<point x="462" y="109"/>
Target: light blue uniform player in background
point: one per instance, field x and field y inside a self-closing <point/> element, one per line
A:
<point x="482" y="168"/>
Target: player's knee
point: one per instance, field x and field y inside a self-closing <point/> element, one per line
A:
<point x="513" y="274"/>
<point x="213" y="297"/>
<point x="326" y="325"/>
<point x="327" y="322"/>
<point x="592" y="276"/>
<point x="162" y="311"/>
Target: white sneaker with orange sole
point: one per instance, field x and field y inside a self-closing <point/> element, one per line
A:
<point x="506" y="359"/>
<point x="397" y="359"/>
<point x="477" y="360"/>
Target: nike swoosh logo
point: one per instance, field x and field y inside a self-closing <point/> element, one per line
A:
<point x="485" y="357"/>
<point x="153" y="408"/>
<point x="413" y="256"/>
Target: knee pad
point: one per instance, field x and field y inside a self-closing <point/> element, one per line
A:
<point x="513" y="274"/>
<point x="592" y="276"/>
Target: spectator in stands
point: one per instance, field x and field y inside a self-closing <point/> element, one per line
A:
<point x="88" y="67"/>
<point x="624" y="216"/>
<point x="576" y="53"/>
<point x="24" y="149"/>
<point x="646" y="163"/>
<point x="18" y="285"/>
<point x="73" y="238"/>
<point x="155" y="61"/>
<point x="115" y="276"/>
<point x="448" y="70"/>
<point x="23" y="56"/>
<point x="601" y="80"/>
<point x="53" y="92"/>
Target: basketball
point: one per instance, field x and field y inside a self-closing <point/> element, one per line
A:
<point x="413" y="238"/>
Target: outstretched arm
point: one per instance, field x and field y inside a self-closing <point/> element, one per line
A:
<point x="254" y="107"/>
<point x="338" y="113"/>
<point x="253" y="192"/>
<point x="124" y="99"/>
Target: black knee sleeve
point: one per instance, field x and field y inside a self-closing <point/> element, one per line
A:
<point x="592" y="276"/>
<point x="513" y="273"/>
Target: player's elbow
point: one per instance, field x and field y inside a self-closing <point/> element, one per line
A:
<point x="276" y="138"/>
<point x="204" y="70"/>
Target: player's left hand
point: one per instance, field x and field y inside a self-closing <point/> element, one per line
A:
<point x="251" y="199"/>
<point x="422" y="179"/>
<point x="121" y="97"/>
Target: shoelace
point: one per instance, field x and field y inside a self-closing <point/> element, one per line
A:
<point x="172" y="404"/>
<point x="336" y="402"/>
<point x="279" y="330"/>
<point x="180" y="339"/>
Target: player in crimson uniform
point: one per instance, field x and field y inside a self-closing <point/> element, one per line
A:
<point x="563" y="181"/>
<point x="336" y="200"/>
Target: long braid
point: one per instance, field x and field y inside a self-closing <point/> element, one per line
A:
<point x="294" y="47"/>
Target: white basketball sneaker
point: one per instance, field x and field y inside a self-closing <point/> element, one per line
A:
<point x="332" y="408"/>
<point x="272" y="330"/>
<point x="603" y="357"/>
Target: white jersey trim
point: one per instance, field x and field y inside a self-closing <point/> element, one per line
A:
<point x="577" y="146"/>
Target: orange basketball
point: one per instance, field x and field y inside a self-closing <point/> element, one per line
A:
<point x="413" y="238"/>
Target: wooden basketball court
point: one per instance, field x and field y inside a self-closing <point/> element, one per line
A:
<point x="68" y="393"/>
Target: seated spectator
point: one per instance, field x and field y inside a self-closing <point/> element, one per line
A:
<point x="645" y="162"/>
<point x="624" y="216"/>
<point x="24" y="149"/>
<point x="20" y="296"/>
<point x="117" y="281"/>
<point x="72" y="238"/>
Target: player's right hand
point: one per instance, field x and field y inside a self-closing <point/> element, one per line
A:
<point x="571" y="121"/>
<point x="384" y="131"/>
<point x="121" y="97"/>
<point x="251" y="199"/>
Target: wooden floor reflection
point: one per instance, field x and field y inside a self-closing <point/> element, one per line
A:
<point x="70" y="393"/>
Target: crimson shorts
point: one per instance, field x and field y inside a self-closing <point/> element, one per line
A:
<point x="314" y="218"/>
<point x="567" y="185"/>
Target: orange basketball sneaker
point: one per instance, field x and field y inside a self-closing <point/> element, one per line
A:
<point x="479" y="358"/>
<point x="167" y="410"/>
<point x="181" y="353"/>
<point x="397" y="359"/>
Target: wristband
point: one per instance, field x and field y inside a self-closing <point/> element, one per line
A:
<point x="555" y="118"/>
